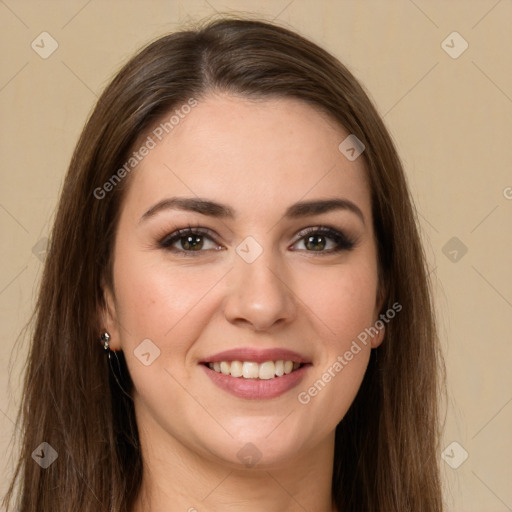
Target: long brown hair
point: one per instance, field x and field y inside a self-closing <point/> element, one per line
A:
<point x="386" y="448"/>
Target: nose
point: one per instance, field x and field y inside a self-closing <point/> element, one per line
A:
<point x="259" y="294"/>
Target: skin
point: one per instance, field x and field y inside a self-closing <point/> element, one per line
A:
<point x="257" y="157"/>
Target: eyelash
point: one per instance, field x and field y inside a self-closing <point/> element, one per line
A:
<point x="342" y="241"/>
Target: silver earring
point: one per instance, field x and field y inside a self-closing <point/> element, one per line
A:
<point x="116" y="367"/>
<point x="105" y="338"/>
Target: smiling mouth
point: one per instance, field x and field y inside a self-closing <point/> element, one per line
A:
<point x="252" y="370"/>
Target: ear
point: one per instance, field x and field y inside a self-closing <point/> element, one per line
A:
<point x="108" y="317"/>
<point x="379" y="324"/>
<point x="378" y="338"/>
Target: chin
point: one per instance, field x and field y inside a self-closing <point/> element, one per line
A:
<point x="255" y="449"/>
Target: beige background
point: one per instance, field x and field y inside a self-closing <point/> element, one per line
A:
<point x="451" y="119"/>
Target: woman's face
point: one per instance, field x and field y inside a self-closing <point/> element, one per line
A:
<point x="280" y="265"/>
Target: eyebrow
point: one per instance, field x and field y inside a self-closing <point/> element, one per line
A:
<point x="218" y="210"/>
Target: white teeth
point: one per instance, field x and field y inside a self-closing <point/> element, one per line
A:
<point x="267" y="370"/>
<point x="236" y="369"/>
<point x="252" y="370"/>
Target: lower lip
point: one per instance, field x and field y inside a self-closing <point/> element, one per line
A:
<point x="257" y="389"/>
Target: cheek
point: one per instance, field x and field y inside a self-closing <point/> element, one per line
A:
<point x="168" y="305"/>
<point x="155" y="296"/>
<point x="342" y="298"/>
<point x="343" y="301"/>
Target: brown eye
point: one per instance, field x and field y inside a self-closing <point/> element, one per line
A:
<point x="189" y="241"/>
<point x="324" y="240"/>
<point x="315" y="242"/>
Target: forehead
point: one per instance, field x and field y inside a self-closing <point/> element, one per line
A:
<point x="252" y="154"/>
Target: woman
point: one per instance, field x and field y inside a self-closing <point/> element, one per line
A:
<point x="235" y="311"/>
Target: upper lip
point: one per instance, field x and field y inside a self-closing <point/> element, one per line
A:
<point x="256" y="355"/>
